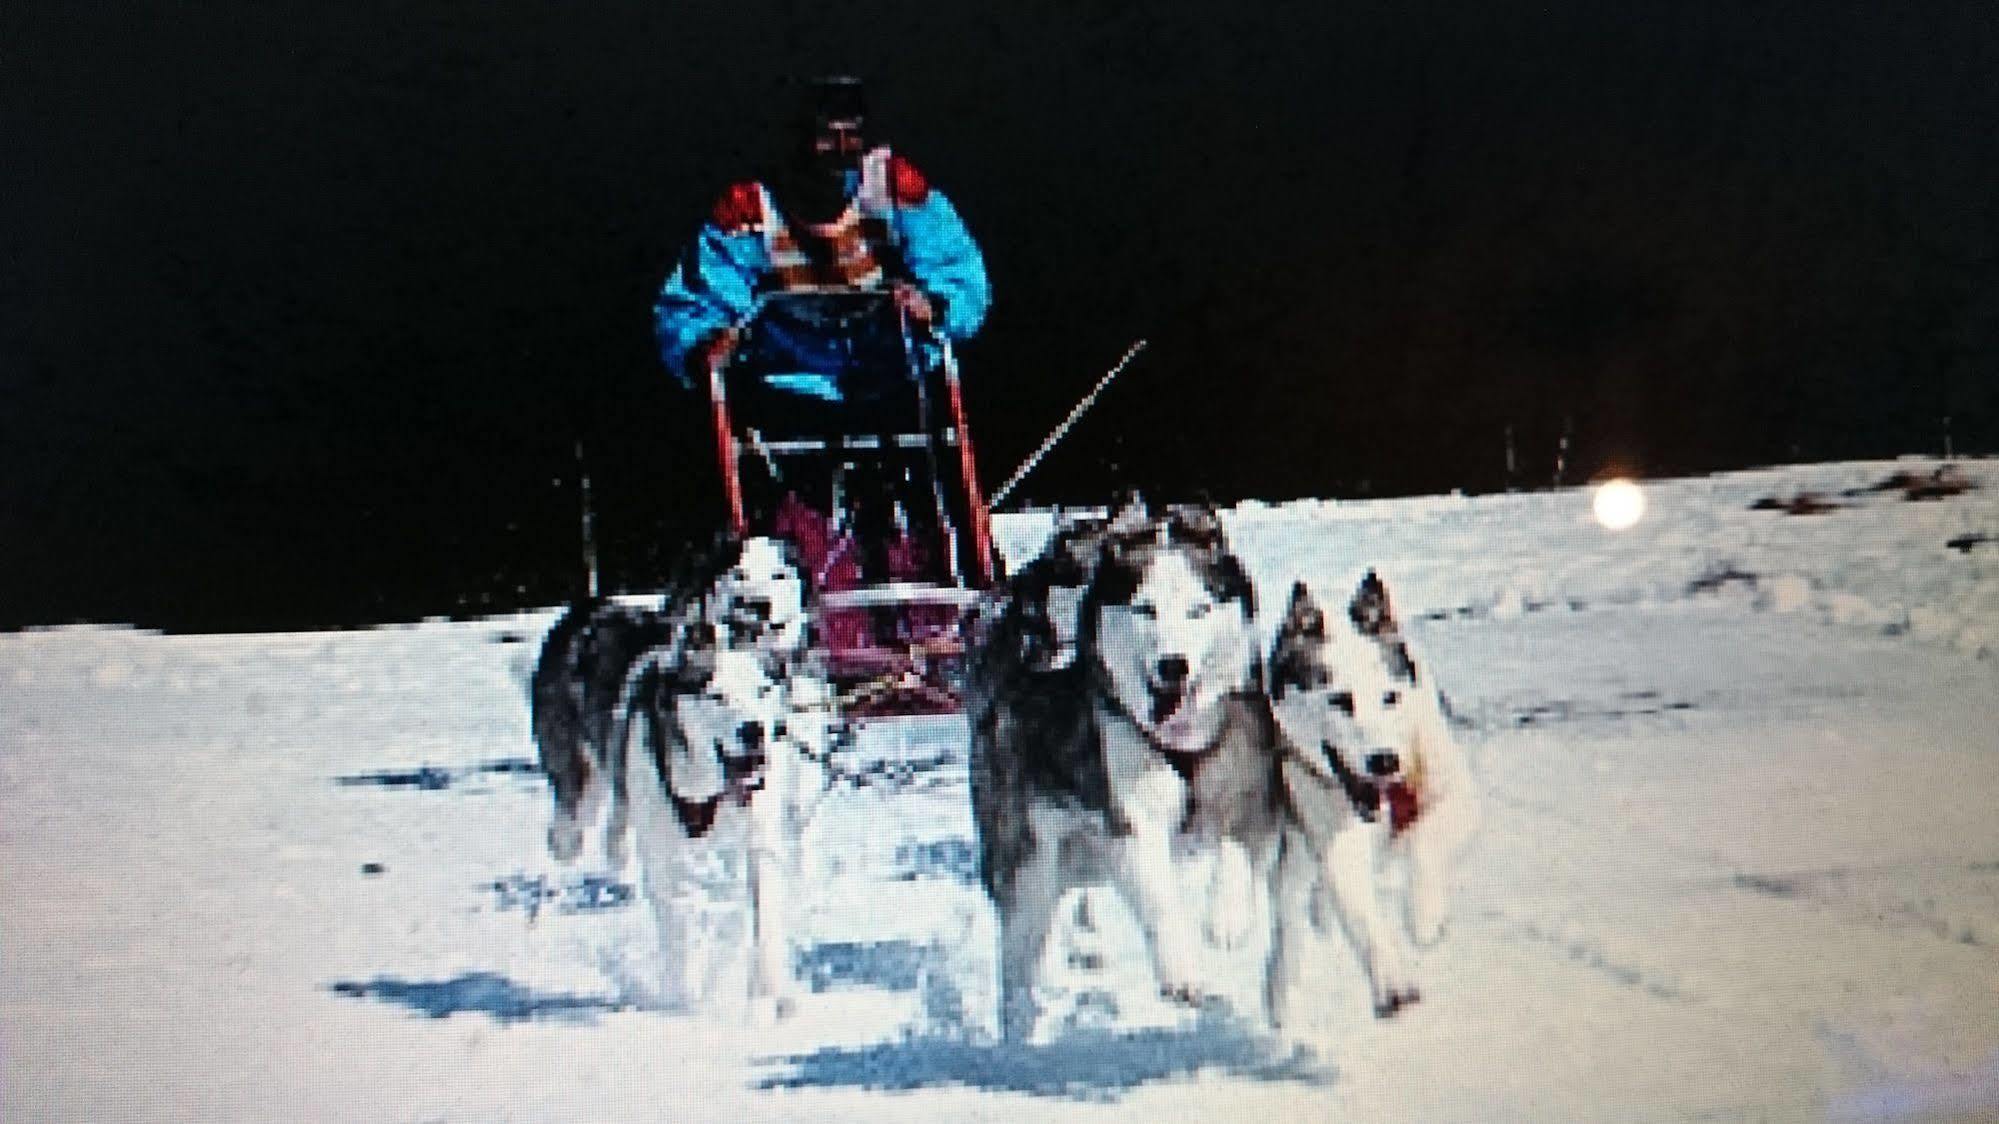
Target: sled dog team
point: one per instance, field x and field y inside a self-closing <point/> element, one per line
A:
<point x="1124" y="715"/>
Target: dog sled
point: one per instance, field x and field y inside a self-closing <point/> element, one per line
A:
<point x="840" y="427"/>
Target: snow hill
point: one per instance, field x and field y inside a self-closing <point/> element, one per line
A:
<point x="1739" y="861"/>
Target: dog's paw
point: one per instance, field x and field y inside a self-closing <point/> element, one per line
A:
<point x="1428" y="913"/>
<point x="1184" y="992"/>
<point x="565" y="840"/>
<point x="1179" y="975"/>
<point x="1231" y="920"/>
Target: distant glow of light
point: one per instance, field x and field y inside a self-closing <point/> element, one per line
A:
<point x="1619" y="504"/>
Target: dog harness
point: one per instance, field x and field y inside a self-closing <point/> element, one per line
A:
<point x="741" y="776"/>
<point x="856" y="250"/>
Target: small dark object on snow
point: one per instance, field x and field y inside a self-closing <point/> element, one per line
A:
<point x="372" y="868"/>
<point x="1718" y="578"/>
<point x="1942" y="484"/>
<point x="1947" y="480"/>
<point x="1963" y="543"/>
<point x="1804" y="503"/>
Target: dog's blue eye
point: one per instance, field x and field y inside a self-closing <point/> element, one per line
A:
<point x="1200" y="610"/>
<point x="1390" y="698"/>
<point x="1141" y="609"/>
<point x="1342" y="700"/>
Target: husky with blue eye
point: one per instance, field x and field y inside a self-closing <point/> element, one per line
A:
<point x="1371" y="772"/>
<point x="1153" y="740"/>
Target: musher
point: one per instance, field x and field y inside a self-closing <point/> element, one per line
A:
<point x="838" y="216"/>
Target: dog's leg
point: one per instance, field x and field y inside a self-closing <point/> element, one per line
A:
<point x="1151" y="799"/>
<point x="1292" y="880"/>
<point x="1349" y="870"/>
<point x="617" y="823"/>
<point x="586" y="797"/>
<point x="1026" y="910"/>
<point x="1449" y="817"/>
<point x="1231" y="896"/>
<point x="659" y="846"/>
<point x="1145" y="876"/>
<point x="1434" y="842"/>
<point x="770" y="898"/>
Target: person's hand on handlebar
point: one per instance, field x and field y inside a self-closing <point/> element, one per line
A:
<point x="714" y="351"/>
<point x="912" y="301"/>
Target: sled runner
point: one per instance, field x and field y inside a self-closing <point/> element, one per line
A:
<point x="840" y="426"/>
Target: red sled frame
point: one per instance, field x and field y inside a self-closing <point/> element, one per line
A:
<point x="879" y="680"/>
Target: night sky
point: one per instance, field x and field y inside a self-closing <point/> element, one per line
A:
<point x="305" y="308"/>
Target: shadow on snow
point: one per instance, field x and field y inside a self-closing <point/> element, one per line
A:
<point x="1082" y="1065"/>
<point x="484" y="992"/>
<point x="432" y="778"/>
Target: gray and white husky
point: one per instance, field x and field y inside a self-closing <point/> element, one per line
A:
<point x="733" y="765"/>
<point x="749" y="592"/>
<point x="1372" y="772"/>
<point x="1155" y="737"/>
<point x="580" y="714"/>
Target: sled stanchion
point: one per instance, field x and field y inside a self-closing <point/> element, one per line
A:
<point x="1068" y="423"/>
<point x="982" y="539"/>
<point x="725" y="450"/>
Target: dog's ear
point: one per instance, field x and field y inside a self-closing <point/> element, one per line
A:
<point x="1129" y="515"/>
<point x="1303" y="617"/>
<point x="1370" y="609"/>
<point x="1229" y="582"/>
<point x="1116" y="579"/>
<point x="701" y="634"/>
<point x="1195" y="525"/>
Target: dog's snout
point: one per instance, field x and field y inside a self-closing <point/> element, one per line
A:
<point x="1173" y="670"/>
<point x="751" y="734"/>
<point x="757" y="607"/>
<point x="1383" y="764"/>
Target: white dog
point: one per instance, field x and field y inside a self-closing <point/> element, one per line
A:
<point x="1372" y="771"/>
<point x="736" y="756"/>
<point x="758" y="601"/>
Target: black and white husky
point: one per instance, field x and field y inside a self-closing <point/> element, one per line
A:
<point x="580" y="715"/>
<point x="732" y="766"/>
<point x="750" y="592"/>
<point x="1156" y="736"/>
<point x="1371" y="771"/>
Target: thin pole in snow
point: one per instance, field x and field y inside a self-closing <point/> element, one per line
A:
<point x="589" y="523"/>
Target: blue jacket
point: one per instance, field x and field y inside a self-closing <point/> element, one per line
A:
<point x="719" y="276"/>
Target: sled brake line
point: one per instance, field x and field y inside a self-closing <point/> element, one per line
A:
<point x="1061" y="431"/>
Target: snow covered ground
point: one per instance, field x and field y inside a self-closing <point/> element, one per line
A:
<point x="1740" y="861"/>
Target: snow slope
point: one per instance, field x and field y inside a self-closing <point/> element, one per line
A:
<point x="1739" y="861"/>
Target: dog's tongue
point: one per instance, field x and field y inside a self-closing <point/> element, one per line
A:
<point x="1402" y="807"/>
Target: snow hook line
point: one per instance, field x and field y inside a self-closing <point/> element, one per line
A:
<point x="1061" y="431"/>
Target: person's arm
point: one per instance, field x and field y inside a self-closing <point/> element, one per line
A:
<point x="712" y="288"/>
<point x="942" y="259"/>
